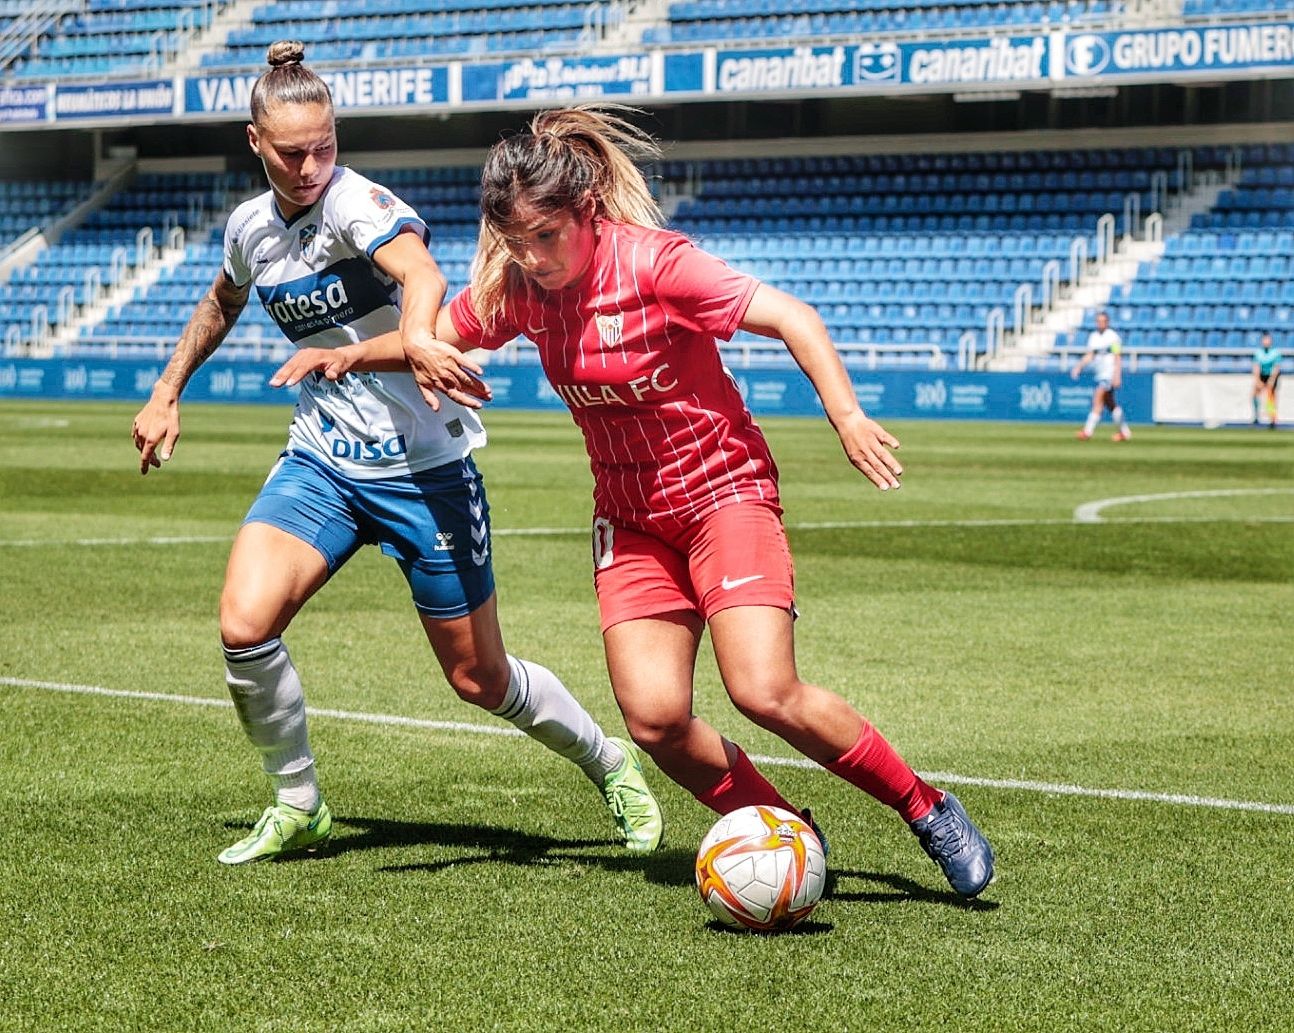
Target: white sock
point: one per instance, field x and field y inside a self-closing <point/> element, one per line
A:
<point x="1117" y="417"/>
<point x="272" y="709"/>
<point x="1093" y="418"/>
<point x="541" y="706"/>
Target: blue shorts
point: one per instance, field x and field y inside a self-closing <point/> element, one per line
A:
<point x="434" y="523"/>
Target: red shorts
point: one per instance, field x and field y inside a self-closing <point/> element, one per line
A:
<point x="735" y="556"/>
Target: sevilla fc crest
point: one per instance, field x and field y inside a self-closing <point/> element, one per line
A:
<point x="609" y="328"/>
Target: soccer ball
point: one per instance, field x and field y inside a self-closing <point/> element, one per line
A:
<point x="761" y="868"/>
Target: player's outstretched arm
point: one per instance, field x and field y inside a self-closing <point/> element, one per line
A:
<point x="774" y="313"/>
<point x="377" y="353"/>
<point x="438" y="367"/>
<point x="156" y="427"/>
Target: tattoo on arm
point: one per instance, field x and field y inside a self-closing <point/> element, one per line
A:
<point x="212" y="319"/>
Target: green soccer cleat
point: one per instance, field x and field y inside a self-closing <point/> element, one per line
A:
<point x="281" y="830"/>
<point x="631" y="803"/>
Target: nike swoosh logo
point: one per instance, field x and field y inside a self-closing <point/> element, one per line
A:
<point x="730" y="583"/>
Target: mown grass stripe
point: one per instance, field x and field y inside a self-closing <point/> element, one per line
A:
<point x="1024" y="785"/>
<point x="808" y="525"/>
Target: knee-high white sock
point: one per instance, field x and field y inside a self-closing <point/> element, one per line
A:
<point x="272" y="709"/>
<point x="1117" y="417"/>
<point x="541" y="706"/>
<point x="1093" y="418"/>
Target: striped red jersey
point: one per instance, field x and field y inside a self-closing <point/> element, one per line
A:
<point x="631" y="350"/>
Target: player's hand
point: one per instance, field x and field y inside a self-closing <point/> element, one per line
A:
<point x="440" y="368"/>
<point x="333" y="363"/>
<point x="156" y="429"/>
<point x="1073" y="373"/>
<point x="868" y="444"/>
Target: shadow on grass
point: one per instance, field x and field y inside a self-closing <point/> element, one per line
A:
<point x="673" y="867"/>
<point x="809" y="927"/>
<point x="893" y="889"/>
<point x="490" y="843"/>
<point x="677" y="868"/>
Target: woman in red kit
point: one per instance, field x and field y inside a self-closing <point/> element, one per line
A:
<point x="687" y="524"/>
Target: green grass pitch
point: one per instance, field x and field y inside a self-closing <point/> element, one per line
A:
<point x="1111" y="697"/>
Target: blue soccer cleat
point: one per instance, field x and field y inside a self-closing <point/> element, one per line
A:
<point x="954" y="843"/>
<point x="808" y="816"/>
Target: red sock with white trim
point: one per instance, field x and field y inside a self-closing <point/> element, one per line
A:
<point x="740" y="786"/>
<point x="875" y="767"/>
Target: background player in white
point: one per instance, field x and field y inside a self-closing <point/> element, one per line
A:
<point x="687" y="522"/>
<point x="335" y="257"/>
<point x="1105" y="353"/>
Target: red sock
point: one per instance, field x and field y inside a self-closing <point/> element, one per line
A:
<point x="741" y="786"/>
<point x="875" y="767"/>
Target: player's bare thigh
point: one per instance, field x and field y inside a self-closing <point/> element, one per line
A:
<point x="755" y="650"/>
<point x="651" y="661"/>
<point x="270" y="576"/>
<point x="471" y="653"/>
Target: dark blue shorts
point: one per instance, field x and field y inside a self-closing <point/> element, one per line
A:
<point x="434" y="523"/>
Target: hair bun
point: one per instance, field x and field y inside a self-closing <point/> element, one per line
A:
<point x="285" y="52"/>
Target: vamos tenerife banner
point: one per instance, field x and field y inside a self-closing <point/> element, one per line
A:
<point x="424" y="86"/>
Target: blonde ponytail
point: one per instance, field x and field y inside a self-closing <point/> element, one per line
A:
<point x="581" y="159"/>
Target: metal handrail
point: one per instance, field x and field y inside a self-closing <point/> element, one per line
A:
<point x="994" y="332"/>
<point x="66" y="304"/>
<point x="1131" y="214"/>
<point x="1077" y="262"/>
<point x="1159" y="190"/>
<point x="143" y="246"/>
<point x="1155" y="228"/>
<point x="1105" y="237"/>
<point x="1022" y="308"/>
<point x="92" y="285"/>
<point x="1050" y="284"/>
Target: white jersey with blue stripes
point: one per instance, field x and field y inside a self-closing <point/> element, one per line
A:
<point x="315" y="275"/>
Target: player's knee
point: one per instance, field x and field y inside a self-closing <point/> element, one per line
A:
<point x="769" y="702"/>
<point x="656" y="736"/>
<point x="480" y="683"/>
<point x="241" y="627"/>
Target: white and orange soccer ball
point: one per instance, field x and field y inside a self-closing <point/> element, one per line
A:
<point x="761" y="868"/>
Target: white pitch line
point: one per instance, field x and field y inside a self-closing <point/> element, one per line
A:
<point x="1057" y="788"/>
<point x="31" y="543"/>
<point x="819" y="525"/>
<point x="1090" y="512"/>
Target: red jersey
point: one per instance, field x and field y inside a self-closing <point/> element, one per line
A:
<point x="631" y="350"/>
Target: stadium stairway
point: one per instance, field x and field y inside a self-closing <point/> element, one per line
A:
<point x="233" y="16"/>
<point x="1045" y="325"/>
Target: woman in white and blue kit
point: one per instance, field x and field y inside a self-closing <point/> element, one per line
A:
<point x="371" y="459"/>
